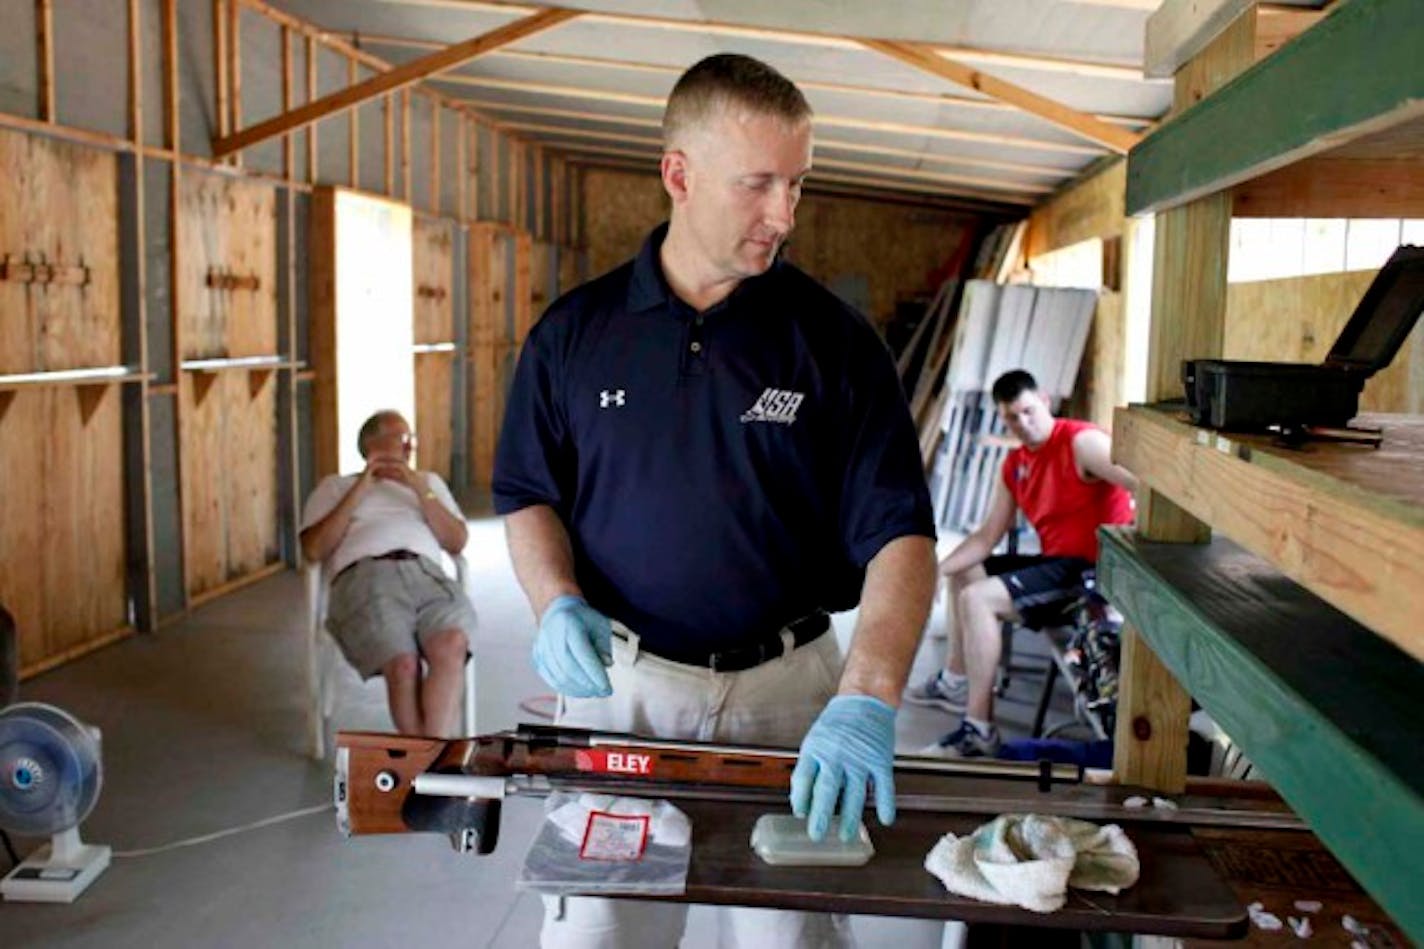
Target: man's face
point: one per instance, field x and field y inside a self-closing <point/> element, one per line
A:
<point x="394" y="442"/>
<point x="1028" y="418"/>
<point x="740" y="182"/>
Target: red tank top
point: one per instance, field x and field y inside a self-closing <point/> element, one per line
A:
<point x="1064" y="509"/>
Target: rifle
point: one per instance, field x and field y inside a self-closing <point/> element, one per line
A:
<point x="393" y="784"/>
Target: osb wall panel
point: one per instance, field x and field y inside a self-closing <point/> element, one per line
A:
<point x="434" y="421"/>
<point x="58" y="205"/>
<point x="1094" y="207"/>
<point x="896" y="250"/>
<point x="61" y="520"/>
<point x="226" y="227"/>
<point x="229" y="475"/>
<point x="1297" y="320"/>
<point x="489" y="335"/>
<point x="1101" y="376"/>
<point x="900" y="251"/>
<point x="619" y="209"/>
<point x="431" y="242"/>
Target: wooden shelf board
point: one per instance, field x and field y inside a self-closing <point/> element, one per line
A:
<point x="1345" y="521"/>
<point x="235" y="363"/>
<point x="1349" y="87"/>
<point x="1327" y="710"/>
<point x="98" y="376"/>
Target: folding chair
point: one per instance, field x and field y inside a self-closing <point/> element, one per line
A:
<point x="324" y="659"/>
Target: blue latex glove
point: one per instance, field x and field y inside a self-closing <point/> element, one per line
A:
<point x="574" y="643"/>
<point x="851" y="742"/>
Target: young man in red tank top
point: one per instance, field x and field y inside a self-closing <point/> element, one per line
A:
<point x="1063" y="479"/>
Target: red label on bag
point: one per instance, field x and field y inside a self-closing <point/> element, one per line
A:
<point x="620" y="838"/>
<point x="613" y="762"/>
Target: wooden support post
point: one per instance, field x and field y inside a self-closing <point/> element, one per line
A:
<point x="495" y="170"/>
<point x="220" y="66"/>
<point x="388" y="107"/>
<point x="473" y="172"/>
<point x="234" y="66"/>
<point x="435" y="155"/>
<point x="353" y="132"/>
<point x="405" y="145"/>
<point x="288" y="93"/>
<point x="460" y="171"/>
<point x="170" y="75"/>
<point x="135" y="81"/>
<point x="44" y="56"/>
<point x="1188" y="321"/>
<point x="310" y="46"/>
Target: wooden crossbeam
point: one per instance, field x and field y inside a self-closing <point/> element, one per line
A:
<point x="398" y="78"/>
<point x="1118" y="139"/>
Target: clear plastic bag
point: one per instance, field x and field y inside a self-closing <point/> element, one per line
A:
<point x="616" y="853"/>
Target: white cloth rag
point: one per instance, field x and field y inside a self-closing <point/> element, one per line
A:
<point x="1030" y="860"/>
<point x="667" y="826"/>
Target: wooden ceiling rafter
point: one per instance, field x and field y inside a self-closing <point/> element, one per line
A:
<point x="391" y="80"/>
<point x="1046" y="171"/>
<point x="1079" y="123"/>
<point x="1100" y="68"/>
<point x="832" y="121"/>
<point x="1050" y="171"/>
<point x="838" y="88"/>
<point x="889" y="177"/>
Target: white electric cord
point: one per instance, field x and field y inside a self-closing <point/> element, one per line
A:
<point x="218" y="835"/>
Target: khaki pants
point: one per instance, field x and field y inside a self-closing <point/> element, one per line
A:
<point x="772" y="704"/>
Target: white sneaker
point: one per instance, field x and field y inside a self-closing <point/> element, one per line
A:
<point x="966" y="741"/>
<point x="939" y="692"/>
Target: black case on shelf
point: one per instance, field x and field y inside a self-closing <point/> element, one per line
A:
<point x="1254" y="396"/>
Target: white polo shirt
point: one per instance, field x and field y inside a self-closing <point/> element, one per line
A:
<point x="387" y="518"/>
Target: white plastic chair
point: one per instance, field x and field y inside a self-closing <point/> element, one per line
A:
<point x="324" y="659"/>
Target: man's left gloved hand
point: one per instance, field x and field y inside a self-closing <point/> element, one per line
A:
<point x="851" y="742"/>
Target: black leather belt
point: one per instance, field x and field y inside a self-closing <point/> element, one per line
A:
<point x="388" y="555"/>
<point x="751" y="655"/>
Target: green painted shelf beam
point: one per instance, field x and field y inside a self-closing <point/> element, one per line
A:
<point x="1355" y="74"/>
<point x="1329" y="712"/>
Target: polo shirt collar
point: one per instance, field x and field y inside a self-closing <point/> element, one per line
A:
<point x="648" y="289"/>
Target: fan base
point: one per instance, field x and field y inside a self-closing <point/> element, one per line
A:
<point x="44" y="878"/>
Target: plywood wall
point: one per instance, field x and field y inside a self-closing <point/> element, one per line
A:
<point x="227" y="307"/>
<point x="1297" y="320"/>
<point x="58" y="206"/>
<point x="881" y="253"/>
<point x="226" y="231"/>
<point x="432" y="245"/>
<point x="61" y="449"/>
<point x="491" y="335"/>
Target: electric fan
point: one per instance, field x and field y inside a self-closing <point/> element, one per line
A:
<point x="50" y="777"/>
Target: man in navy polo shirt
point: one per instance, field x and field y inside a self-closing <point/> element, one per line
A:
<point x="705" y="451"/>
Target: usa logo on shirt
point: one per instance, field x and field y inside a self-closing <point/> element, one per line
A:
<point x="775" y="405"/>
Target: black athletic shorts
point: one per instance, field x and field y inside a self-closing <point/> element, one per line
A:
<point x="1042" y="588"/>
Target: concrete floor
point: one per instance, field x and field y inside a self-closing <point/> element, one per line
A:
<point x="203" y="730"/>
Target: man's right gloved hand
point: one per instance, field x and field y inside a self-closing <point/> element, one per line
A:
<point x="574" y="643"/>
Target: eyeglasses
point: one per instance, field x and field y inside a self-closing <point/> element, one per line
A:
<point x="408" y="440"/>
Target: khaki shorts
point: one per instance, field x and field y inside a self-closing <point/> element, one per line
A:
<point x="381" y="609"/>
<point x="774" y="703"/>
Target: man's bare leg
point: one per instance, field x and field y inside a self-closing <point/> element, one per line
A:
<point x="954" y="657"/>
<point x="982" y="606"/>
<point x="402" y="675"/>
<point x="444" y="682"/>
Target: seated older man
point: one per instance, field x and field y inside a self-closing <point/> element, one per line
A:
<point x="380" y="533"/>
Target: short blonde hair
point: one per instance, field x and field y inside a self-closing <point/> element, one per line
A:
<point x="730" y="79"/>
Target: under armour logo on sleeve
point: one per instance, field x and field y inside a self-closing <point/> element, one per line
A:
<point x="614" y="397"/>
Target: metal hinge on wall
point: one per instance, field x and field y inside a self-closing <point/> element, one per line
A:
<point x="42" y="271"/>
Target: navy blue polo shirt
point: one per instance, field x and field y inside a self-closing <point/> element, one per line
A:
<point x="723" y="473"/>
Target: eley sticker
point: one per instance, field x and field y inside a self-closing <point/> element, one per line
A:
<point x="613" y="762"/>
